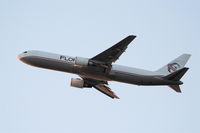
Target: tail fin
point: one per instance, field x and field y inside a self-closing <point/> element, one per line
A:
<point x="176" y="76"/>
<point x="174" y="65"/>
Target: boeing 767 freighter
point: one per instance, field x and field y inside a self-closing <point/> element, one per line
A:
<point x="98" y="70"/>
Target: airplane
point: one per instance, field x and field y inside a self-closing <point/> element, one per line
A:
<point x="97" y="71"/>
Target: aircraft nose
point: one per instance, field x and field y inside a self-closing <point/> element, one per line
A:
<point x="21" y="56"/>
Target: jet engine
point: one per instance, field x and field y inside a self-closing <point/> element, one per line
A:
<point x="80" y="61"/>
<point x="79" y="83"/>
<point x="76" y="82"/>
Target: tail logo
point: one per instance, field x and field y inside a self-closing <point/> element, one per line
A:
<point x="173" y="67"/>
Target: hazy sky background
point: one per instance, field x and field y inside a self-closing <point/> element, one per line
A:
<point x="34" y="100"/>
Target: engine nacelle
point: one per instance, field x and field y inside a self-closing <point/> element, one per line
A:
<point x="79" y="83"/>
<point x="76" y="82"/>
<point x="80" y="61"/>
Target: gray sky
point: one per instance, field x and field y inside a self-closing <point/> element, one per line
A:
<point x="34" y="100"/>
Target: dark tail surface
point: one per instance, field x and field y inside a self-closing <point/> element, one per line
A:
<point x="176" y="76"/>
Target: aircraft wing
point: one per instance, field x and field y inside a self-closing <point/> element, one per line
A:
<point x="113" y="53"/>
<point x="101" y="86"/>
<point x="106" y="90"/>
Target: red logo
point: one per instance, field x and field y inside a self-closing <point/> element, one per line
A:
<point x="173" y="67"/>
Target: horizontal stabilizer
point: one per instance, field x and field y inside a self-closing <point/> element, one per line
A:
<point x="177" y="75"/>
<point x="176" y="88"/>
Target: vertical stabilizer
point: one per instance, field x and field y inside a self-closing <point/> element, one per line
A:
<point x="174" y="65"/>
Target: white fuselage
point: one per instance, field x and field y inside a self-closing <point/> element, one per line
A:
<point x="79" y="66"/>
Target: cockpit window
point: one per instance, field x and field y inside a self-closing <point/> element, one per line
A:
<point x="25" y="51"/>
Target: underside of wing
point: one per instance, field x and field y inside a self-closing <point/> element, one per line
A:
<point x="106" y="90"/>
<point x="101" y="86"/>
<point x="113" y="53"/>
